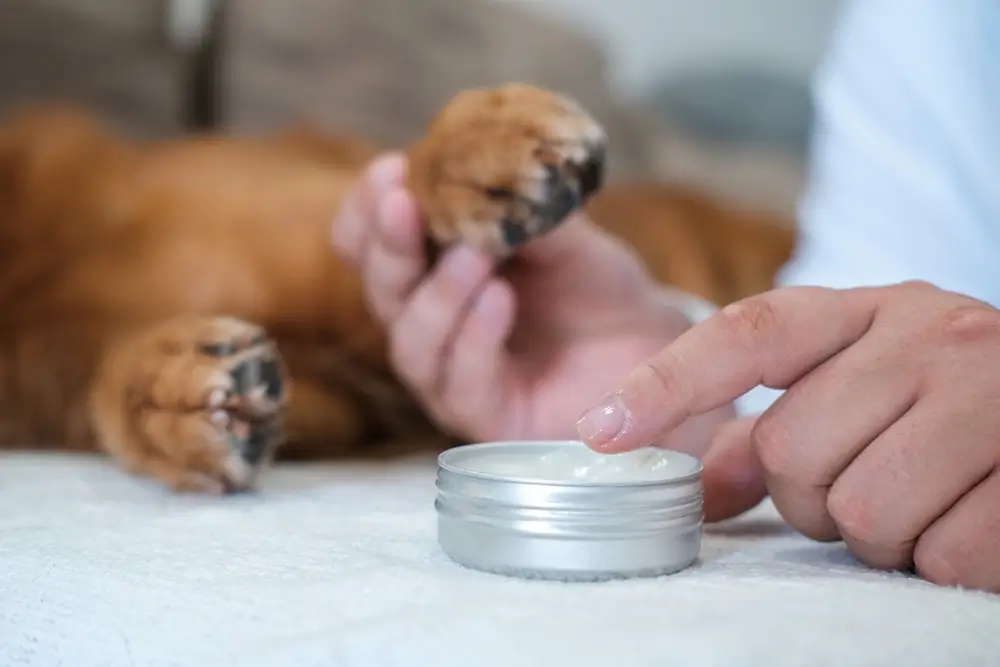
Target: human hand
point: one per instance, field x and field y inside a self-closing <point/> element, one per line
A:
<point x="514" y="353"/>
<point x="887" y="437"/>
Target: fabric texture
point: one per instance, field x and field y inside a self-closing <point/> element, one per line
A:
<point x="906" y="154"/>
<point x="384" y="68"/>
<point x="907" y="150"/>
<point x="379" y="69"/>
<point x="111" y="57"/>
<point x="739" y="105"/>
<point x="338" y="565"/>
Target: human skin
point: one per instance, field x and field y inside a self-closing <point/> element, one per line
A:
<point x="515" y="352"/>
<point x="886" y="436"/>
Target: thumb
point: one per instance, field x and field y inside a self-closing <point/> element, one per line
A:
<point x="733" y="477"/>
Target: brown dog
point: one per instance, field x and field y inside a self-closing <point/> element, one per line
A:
<point x="178" y="305"/>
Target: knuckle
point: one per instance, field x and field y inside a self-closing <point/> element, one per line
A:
<point x="940" y="563"/>
<point x="771" y="441"/>
<point x="655" y="376"/>
<point x="751" y="319"/>
<point x="965" y="324"/>
<point x="853" y="514"/>
<point x="917" y="285"/>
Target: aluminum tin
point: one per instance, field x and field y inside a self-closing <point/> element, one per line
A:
<point x="569" y="531"/>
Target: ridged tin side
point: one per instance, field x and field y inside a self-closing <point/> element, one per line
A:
<point x="566" y="530"/>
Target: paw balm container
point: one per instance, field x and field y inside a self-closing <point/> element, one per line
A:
<point x="557" y="510"/>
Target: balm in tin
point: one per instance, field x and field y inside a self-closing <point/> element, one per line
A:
<point x="559" y="510"/>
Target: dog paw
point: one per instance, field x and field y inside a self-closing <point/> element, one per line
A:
<point x="499" y="167"/>
<point x="196" y="403"/>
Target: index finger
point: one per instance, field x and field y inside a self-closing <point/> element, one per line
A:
<point x="771" y="339"/>
<point x="353" y="224"/>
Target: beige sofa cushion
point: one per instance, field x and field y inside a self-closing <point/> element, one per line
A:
<point x="111" y="56"/>
<point x="381" y="68"/>
<point x="378" y="68"/>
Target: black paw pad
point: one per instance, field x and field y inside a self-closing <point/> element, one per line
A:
<point x="223" y="349"/>
<point x="246" y="375"/>
<point x="270" y="375"/>
<point x="263" y="438"/>
<point x="561" y="199"/>
<point x="513" y="232"/>
<point x="592" y="174"/>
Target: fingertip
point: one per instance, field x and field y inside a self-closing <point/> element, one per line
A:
<point x="605" y="427"/>
<point x="644" y="407"/>
<point x="346" y="229"/>
<point x="387" y="171"/>
<point x="398" y="223"/>
<point x="495" y="306"/>
<point x="362" y="203"/>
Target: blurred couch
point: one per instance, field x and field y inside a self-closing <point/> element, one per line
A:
<point x="113" y="56"/>
<point x="377" y="68"/>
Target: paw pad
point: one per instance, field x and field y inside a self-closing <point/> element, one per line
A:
<point x="501" y="167"/>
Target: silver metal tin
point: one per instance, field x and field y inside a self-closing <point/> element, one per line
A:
<point x="568" y="531"/>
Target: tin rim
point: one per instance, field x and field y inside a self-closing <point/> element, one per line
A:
<point x="445" y="461"/>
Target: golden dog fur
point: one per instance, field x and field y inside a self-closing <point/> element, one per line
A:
<point x="178" y="305"/>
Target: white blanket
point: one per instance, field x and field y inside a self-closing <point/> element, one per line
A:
<point x="332" y="566"/>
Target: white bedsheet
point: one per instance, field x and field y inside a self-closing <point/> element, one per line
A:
<point x="338" y="566"/>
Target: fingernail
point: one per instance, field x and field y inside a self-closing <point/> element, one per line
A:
<point x="601" y="424"/>
<point x="386" y="172"/>
<point x="463" y="264"/>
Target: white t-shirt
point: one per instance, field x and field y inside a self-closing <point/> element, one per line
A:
<point x="905" y="171"/>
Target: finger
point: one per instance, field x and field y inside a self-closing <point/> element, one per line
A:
<point x="473" y="376"/>
<point x="396" y="261"/>
<point x="770" y="339"/>
<point x="733" y="478"/>
<point x="962" y="548"/>
<point x="910" y="476"/>
<point x="428" y="322"/>
<point x="353" y="224"/>
<point x="813" y="432"/>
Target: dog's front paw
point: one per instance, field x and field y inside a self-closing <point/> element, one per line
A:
<point x="195" y="402"/>
<point x="502" y="166"/>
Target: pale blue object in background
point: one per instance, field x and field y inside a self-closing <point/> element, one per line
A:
<point x="905" y="172"/>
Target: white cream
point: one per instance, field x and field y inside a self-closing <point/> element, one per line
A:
<point x="575" y="462"/>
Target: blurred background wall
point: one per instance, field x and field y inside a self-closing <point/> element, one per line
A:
<point x="649" y="40"/>
<point x="728" y="78"/>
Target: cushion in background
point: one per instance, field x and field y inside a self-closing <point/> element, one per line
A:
<point x="379" y="68"/>
<point x="112" y="56"/>
<point x="739" y="105"/>
<point x="382" y="68"/>
<point x="738" y="130"/>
